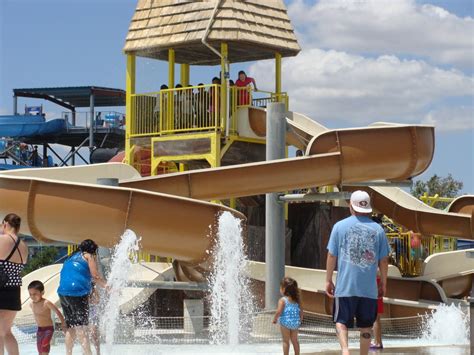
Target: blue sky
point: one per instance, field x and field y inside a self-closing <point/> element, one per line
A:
<point x="401" y="61"/>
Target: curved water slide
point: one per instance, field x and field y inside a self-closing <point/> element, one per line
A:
<point x="462" y="204"/>
<point x="344" y="156"/>
<point x="382" y="151"/>
<point x="404" y="298"/>
<point x="55" y="209"/>
<point x="70" y="211"/>
<point x="29" y="126"/>
<point x="131" y="298"/>
<point x="64" y="203"/>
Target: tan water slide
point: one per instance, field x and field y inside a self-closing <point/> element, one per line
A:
<point x="65" y="204"/>
<point x="72" y="211"/>
<point x="334" y="157"/>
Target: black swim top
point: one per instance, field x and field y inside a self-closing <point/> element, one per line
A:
<point x="12" y="269"/>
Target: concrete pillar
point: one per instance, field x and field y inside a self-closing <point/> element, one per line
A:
<point x="274" y="210"/>
<point x="193" y="316"/>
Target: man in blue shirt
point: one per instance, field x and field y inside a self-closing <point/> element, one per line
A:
<point x="358" y="246"/>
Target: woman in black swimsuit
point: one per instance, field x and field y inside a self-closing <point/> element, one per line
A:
<point x="13" y="256"/>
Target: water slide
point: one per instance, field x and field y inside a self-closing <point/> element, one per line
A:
<point x="405" y="297"/>
<point x="132" y="297"/>
<point x="29" y="126"/>
<point x="334" y="157"/>
<point x="65" y="203"/>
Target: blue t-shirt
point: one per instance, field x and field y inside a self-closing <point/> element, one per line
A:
<point x="75" y="278"/>
<point x="358" y="243"/>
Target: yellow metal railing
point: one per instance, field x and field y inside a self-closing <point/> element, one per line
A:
<point x="141" y="256"/>
<point x="192" y="109"/>
<point x="189" y="109"/>
<point x="433" y="200"/>
<point x="409" y="250"/>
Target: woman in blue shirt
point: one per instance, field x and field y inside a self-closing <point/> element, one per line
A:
<point x="75" y="285"/>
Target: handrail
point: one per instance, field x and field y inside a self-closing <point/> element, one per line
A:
<point x="194" y="109"/>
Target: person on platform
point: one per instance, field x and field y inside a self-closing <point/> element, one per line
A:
<point x="358" y="246"/>
<point x="244" y="82"/>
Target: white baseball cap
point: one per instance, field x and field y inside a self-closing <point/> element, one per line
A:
<point x="360" y="202"/>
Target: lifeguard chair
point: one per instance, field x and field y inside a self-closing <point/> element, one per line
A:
<point x="209" y="125"/>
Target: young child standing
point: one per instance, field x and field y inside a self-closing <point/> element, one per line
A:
<point x="289" y="314"/>
<point x="42" y="311"/>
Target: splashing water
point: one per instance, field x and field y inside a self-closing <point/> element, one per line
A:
<point x="124" y="255"/>
<point x="447" y="325"/>
<point x="231" y="299"/>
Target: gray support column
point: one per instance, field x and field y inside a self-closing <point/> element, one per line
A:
<point x="45" y="154"/>
<point x="91" y="120"/>
<point x="15" y="105"/>
<point x="103" y="253"/>
<point x="274" y="210"/>
<point x="73" y="122"/>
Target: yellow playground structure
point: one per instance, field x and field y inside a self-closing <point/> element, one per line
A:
<point x="191" y="125"/>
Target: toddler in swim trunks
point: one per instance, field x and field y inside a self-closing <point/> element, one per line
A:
<point x="289" y="314"/>
<point x="42" y="308"/>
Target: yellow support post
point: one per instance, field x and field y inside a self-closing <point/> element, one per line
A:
<point x="170" y="96"/>
<point x="223" y="96"/>
<point x="278" y="76"/>
<point x="130" y="90"/>
<point x="170" y="68"/>
<point x="184" y="74"/>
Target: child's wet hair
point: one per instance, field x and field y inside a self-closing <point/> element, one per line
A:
<point x="37" y="285"/>
<point x="290" y="289"/>
<point x="88" y="246"/>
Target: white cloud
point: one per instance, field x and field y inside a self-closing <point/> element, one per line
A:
<point x="399" y="27"/>
<point x="336" y="86"/>
<point x="451" y="118"/>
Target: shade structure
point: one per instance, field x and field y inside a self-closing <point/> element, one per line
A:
<point x="253" y="30"/>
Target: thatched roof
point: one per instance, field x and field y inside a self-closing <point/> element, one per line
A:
<point x="253" y="29"/>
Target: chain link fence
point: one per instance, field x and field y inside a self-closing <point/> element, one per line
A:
<point x="315" y="328"/>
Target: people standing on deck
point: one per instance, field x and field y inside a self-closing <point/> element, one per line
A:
<point x="214" y="97"/>
<point x="358" y="246"/>
<point x="13" y="257"/>
<point x="201" y="105"/>
<point x="244" y="83"/>
<point x="75" y="286"/>
<point x="178" y="104"/>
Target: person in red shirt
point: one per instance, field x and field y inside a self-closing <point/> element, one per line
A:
<point x="244" y="81"/>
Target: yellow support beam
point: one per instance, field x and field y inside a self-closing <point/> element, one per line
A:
<point x="171" y="68"/>
<point x="184" y="75"/>
<point x="278" y="75"/>
<point x="170" y="110"/>
<point x="223" y="98"/>
<point x="130" y="90"/>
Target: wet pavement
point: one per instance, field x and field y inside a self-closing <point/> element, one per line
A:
<point x="427" y="350"/>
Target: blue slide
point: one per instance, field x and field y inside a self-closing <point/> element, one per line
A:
<point x="29" y="126"/>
